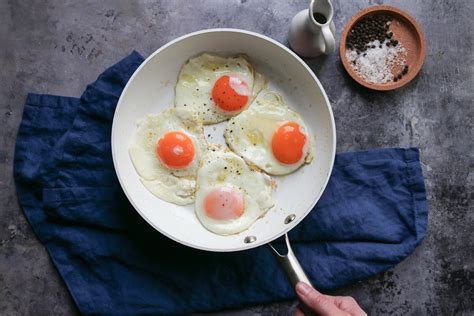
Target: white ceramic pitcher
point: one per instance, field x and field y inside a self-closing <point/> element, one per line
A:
<point x="312" y="31"/>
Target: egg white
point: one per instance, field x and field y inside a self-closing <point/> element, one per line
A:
<point x="175" y="186"/>
<point x="250" y="133"/>
<point x="196" y="80"/>
<point x="221" y="167"/>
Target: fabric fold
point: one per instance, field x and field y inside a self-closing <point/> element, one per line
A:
<point x="372" y="215"/>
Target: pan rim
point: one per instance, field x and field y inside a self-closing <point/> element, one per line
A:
<point x="332" y="123"/>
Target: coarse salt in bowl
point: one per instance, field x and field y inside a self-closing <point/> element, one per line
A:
<point x="378" y="61"/>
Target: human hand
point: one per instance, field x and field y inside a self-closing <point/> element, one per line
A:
<point x="326" y="305"/>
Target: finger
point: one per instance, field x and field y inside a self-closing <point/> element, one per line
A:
<point x="298" y="312"/>
<point x="316" y="301"/>
<point x="349" y="304"/>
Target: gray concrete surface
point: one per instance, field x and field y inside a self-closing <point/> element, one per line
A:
<point x="58" y="47"/>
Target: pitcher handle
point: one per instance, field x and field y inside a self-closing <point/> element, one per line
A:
<point x="329" y="41"/>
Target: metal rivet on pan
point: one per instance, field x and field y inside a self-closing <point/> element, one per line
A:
<point x="249" y="239"/>
<point x="290" y="218"/>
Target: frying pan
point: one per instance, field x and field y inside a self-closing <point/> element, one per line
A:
<point x="151" y="90"/>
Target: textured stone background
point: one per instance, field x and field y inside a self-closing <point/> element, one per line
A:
<point x="58" y="47"/>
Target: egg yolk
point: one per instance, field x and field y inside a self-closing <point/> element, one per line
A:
<point x="230" y="93"/>
<point x="288" y="142"/>
<point x="224" y="203"/>
<point x="175" y="150"/>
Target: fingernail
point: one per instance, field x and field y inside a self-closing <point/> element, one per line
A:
<point x="303" y="288"/>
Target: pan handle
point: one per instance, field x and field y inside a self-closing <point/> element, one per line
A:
<point x="292" y="267"/>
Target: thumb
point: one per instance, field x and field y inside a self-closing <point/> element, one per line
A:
<point x="317" y="302"/>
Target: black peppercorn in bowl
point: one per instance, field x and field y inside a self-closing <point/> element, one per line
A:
<point x="382" y="47"/>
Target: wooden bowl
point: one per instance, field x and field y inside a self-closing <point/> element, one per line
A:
<point x="405" y="29"/>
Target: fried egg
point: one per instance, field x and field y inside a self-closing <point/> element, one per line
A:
<point x="217" y="88"/>
<point x="166" y="151"/>
<point x="270" y="136"/>
<point x="230" y="195"/>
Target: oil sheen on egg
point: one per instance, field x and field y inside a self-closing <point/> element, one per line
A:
<point x="270" y="136"/>
<point x="217" y="88"/>
<point x="230" y="195"/>
<point x="166" y="151"/>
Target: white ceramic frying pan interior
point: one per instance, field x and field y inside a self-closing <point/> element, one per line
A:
<point x="151" y="90"/>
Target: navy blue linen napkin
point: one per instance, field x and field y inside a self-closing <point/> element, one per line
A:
<point x="371" y="216"/>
